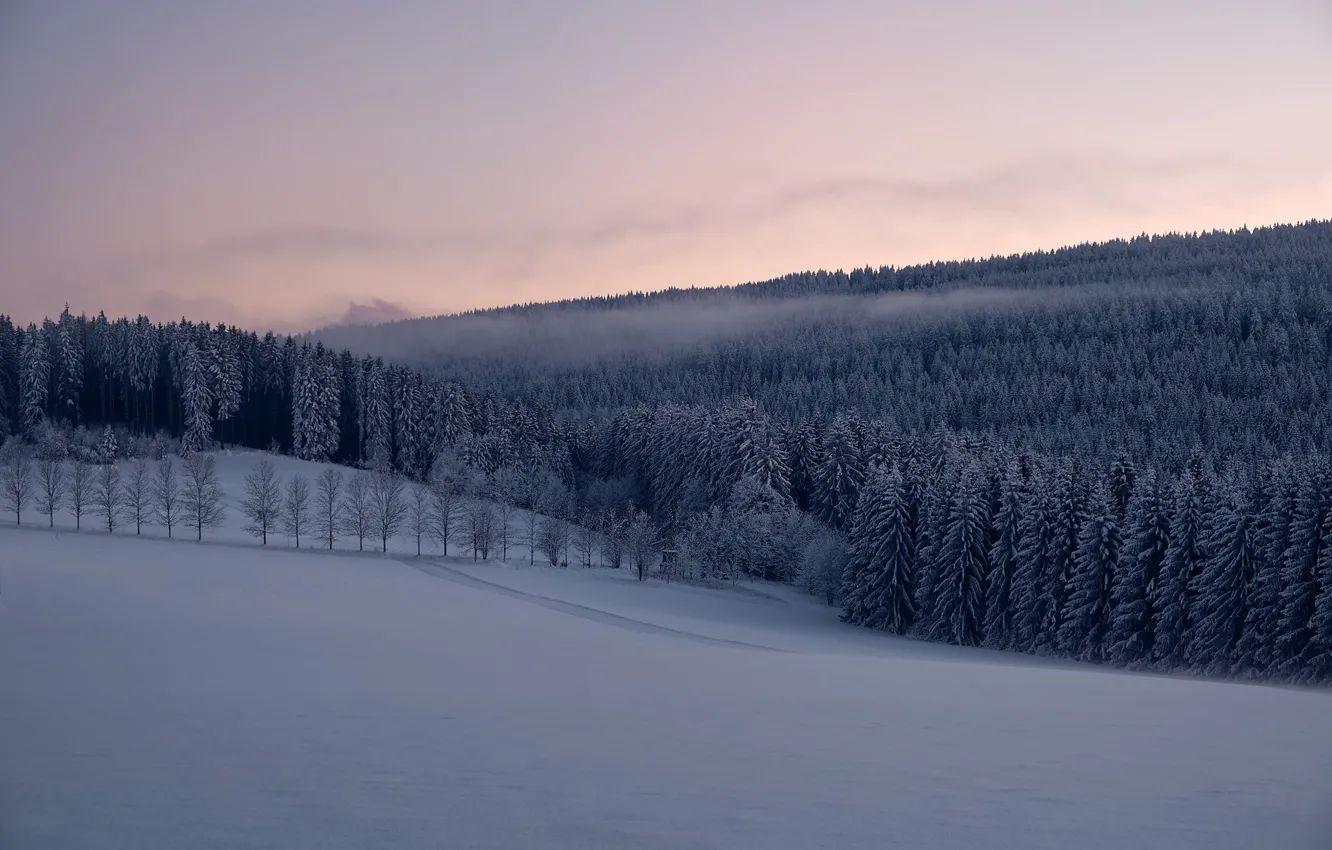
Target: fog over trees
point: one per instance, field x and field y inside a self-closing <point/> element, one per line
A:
<point x="1113" y="453"/>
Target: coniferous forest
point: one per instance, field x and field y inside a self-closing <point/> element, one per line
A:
<point x="1114" y="453"/>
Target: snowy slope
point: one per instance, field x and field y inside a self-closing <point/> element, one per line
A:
<point x="232" y="467"/>
<point x="173" y="695"/>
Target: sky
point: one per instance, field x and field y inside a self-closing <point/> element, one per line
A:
<point x="281" y="164"/>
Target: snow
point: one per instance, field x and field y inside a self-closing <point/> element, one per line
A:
<point x="232" y="467"/>
<point x="158" y="694"/>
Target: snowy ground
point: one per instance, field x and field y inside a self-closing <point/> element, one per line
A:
<point x="175" y="695"/>
<point x="232" y="467"/>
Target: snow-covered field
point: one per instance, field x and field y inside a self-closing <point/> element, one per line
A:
<point x="175" y="695"/>
<point x="232" y="467"/>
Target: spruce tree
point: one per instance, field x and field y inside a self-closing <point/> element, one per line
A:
<point x="863" y="549"/>
<point x="1086" y="616"/>
<point x="838" y="479"/>
<point x="35" y="384"/>
<point x="1130" y="638"/>
<point x="888" y="545"/>
<point x="69" y="358"/>
<point x="1299" y="579"/>
<point x="196" y="400"/>
<point x="1219" y="590"/>
<point x="938" y="500"/>
<point x="1030" y="614"/>
<point x="1319" y="651"/>
<point x="1173" y="602"/>
<point x="1122" y="481"/>
<point x="1004" y="558"/>
<point x="964" y="564"/>
<point x="1277" y="497"/>
<point x="1070" y="511"/>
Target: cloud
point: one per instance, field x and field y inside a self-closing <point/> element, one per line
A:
<point x="299" y="241"/>
<point x="378" y="311"/>
<point x="1029" y="186"/>
<point x="279" y="274"/>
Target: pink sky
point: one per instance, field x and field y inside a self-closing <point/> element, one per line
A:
<point x="251" y="162"/>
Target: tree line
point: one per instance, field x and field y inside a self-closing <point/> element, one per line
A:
<point x="1024" y="528"/>
<point x="147" y="483"/>
<point x="1153" y="347"/>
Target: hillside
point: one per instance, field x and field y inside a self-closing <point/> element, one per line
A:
<point x="186" y="695"/>
<point x="1126" y="471"/>
<point x="1153" y="346"/>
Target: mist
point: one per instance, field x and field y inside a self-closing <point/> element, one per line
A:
<point x="578" y="334"/>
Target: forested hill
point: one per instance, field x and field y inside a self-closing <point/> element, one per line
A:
<point x="836" y="473"/>
<point x="1156" y="346"/>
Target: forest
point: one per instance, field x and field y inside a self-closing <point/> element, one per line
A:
<point x="1113" y="453"/>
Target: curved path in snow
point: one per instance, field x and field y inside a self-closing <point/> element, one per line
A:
<point x="596" y="615"/>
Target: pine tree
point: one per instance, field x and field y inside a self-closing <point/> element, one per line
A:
<point x="1319" y="650"/>
<point x="1068" y="513"/>
<point x="225" y="374"/>
<point x="1122" y="480"/>
<point x="1278" y="495"/>
<point x="1004" y="558"/>
<point x="1299" y="579"/>
<point x="196" y="400"/>
<point x="880" y="561"/>
<point x="838" y="479"/>
<point x="1030" y="614"/>
<point x="35" y="362"/>
<point x="938" y="504"/>
<point x="890" y="597"/>
<point x="316" y="395"/>
<point x="375" y="412"/>
<point x="1147" y="538"/>
<point x="1087" y="607"/>
<point x="1173" y="602"/>
<point x="69" y="355"/>
<point x="1219" y="590"/>
<point x="960" y="598"/>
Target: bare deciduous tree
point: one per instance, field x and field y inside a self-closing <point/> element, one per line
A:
<point x="505" y="486"/>
<point x="201" y="497"/>
<point x="107" y="497"/>
<point x="296" y="507"/>
<point x="641" y="541"/>
<point x="138" y="493"/>
<point x="50" y="486"/>
<point x="585" y="539"/>
<point x="356" y="508"/>
<point x="480" y="528"/>
<point x="418" y="514"/>
<point x="166" y="493"/>
<point x="387" y="509"/>
<point x="532" y="533"/>
<point x="328" y="505"/>
<point x="79" y="489"/>
<point x="262" y="504"/>
<point x="16" y="480"/>
<point x="445" y="510"/>
<point x="553" y="539"/>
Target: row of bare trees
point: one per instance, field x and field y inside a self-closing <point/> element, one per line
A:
<point x="469" y="511"/>
<point x="140" y="493"/>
